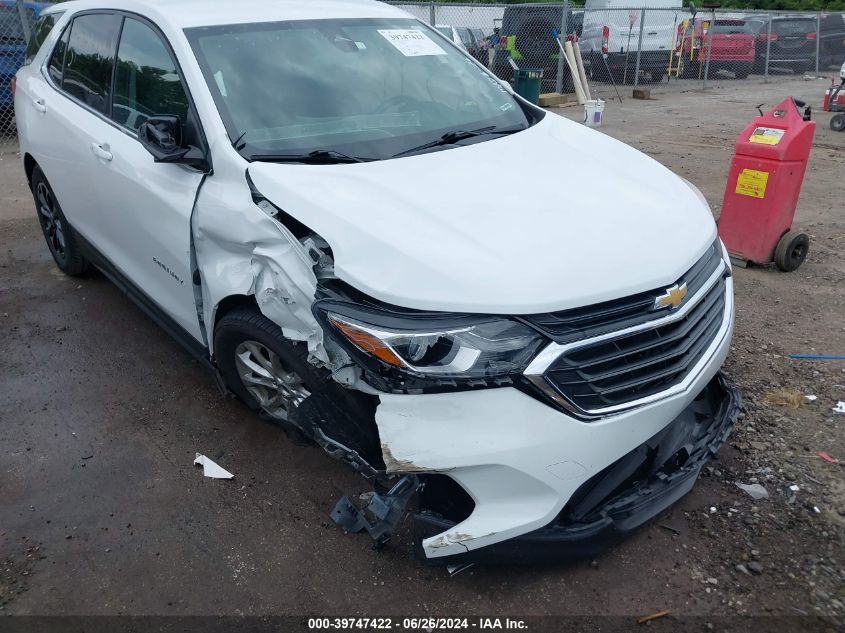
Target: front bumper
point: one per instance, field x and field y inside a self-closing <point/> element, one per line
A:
<point x="524" y="463"/>
<point x="623" y="496"/>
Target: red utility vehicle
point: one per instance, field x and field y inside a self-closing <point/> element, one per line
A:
<point x="733" y="47"/>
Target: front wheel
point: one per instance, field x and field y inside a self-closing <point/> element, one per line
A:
<point x="58" y="233"/>
<point x="837" y="122"/>
<point x="263" y="369"/>
<point x="791" y="251"/>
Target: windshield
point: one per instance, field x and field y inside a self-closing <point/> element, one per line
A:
<point x="369" y="88"/>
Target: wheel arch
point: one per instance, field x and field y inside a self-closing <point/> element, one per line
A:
<point x="226" y="305"/>
<point x="29" y="165"/>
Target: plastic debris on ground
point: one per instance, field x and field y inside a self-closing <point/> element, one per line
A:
<point x="210" y="469"/>
<point x="795" y="488"/>
<point x="756" y="491"/>
<point x="811" y="397"/>
<point x="840" y="407"/>
<point x="826" y="457"/>
<point x="454" y="570"/>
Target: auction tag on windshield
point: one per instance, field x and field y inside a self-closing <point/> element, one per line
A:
<point x="766" y="136"/>
<point x="411" y="43"/>
<point x="752" y="183"/>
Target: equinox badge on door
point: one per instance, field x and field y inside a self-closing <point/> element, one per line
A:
<point x="672" y="298"/>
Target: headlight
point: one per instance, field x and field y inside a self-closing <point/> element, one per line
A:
<point x="430" y="348"/>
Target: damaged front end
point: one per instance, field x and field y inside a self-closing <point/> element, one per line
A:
<point x="434" y="409"/>
<point x="621" y="498"/>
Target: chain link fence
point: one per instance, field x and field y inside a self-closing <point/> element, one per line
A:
<point x="666" y="49"/>
<point x="672" y="49"/>
<point x="17" y="19"/>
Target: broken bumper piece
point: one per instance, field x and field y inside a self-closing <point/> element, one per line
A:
<point x="619" y="499"/>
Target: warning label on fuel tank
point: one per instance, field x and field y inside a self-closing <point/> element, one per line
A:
<point x="766" y="136"/>
<point x="752" y="183"/>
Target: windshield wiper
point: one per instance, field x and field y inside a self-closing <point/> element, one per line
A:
<point x="317" y="157"/>
<point x="454" y="136"/>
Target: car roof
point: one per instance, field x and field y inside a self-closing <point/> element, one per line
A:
<point x="191" y="13"/>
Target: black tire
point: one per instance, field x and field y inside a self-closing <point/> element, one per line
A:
<point x="246" y="323"/>
<point x="791" y="251"/>
<point x="691" y="70"/>
<point x="54" y="226"/>
<point x="742" y="72"/>
<point x="652" y="76"/>
<point x="837" y="122"/>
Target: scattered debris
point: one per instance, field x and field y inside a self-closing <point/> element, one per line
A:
<point x="671" y="529"/>
<point x="454" y="570"/>
<point x="386" y="509"/>
<point x="755" y="568"/>
<point x="815" y="357"/>
<point x="210" y="469"/>
<point x="826" y="457"/>
<point x="790" y="398"/>
<point x="840" y="407"/>
<point x="756" y="491"/>
<point x="816" y="510"/>
<point x="795" y="487"/>
<point x="811" y="397"/>
<point x="653" y="616"/>
<point x="743" y="569"/>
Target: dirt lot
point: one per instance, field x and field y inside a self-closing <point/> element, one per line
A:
<point x="102" y="512"/>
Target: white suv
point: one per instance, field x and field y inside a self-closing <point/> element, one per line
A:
<point x="361" y="231"/>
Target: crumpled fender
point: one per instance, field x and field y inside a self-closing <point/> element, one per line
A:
<point x="240" y="250"/>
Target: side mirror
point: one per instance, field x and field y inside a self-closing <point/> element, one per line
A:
<point x="161" y="136"/>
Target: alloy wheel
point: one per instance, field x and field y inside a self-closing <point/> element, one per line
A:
<point x="51" y="220"/>
<point x="277" y="389"/>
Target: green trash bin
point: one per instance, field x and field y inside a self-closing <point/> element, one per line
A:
<point x="526" y="83"/>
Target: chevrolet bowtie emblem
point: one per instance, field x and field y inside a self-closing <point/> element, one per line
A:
<point x="672" y="298"/>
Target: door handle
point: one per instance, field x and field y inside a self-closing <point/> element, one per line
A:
<point x="39" y="105"/>
<point x="101" y="152"/>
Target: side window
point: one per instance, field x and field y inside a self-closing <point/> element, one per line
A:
<point x="40" y="32"/>
<point x="57" y="59"/>
<point x="90" y="59"/>
<point x="146" y="80"/>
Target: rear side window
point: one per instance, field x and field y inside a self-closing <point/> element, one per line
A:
<point x="731" y="27"/>
<point x="90" y="59"/>
<point x="146" y="80"/>
<point x="57" y="59"/>
<point x="786" y="28"/>
<point x="40" y="32"/>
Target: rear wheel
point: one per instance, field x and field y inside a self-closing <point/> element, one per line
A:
<point x="742" y="72"/>
<point x="791" y="251"/>
<point x="55" y="227"/>
<point x="837" y="122"/>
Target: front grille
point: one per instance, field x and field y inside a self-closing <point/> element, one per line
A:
<point x="579" y="324"/>
<point x="640" y="364"/>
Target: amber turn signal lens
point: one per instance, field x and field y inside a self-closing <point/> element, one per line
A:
<point x="367" y="342"/>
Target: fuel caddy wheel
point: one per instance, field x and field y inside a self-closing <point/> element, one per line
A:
<point x="791" y="250"/>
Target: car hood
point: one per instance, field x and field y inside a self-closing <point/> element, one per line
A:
<point x="554" y="217"/>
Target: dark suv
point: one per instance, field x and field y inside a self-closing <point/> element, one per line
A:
<point x="526" y="38"/>
<point x="794" y="40"/>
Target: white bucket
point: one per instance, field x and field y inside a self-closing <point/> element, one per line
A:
<point x="593" y="110"/>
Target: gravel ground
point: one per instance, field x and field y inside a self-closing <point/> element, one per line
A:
<point x="102" y="512"/>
